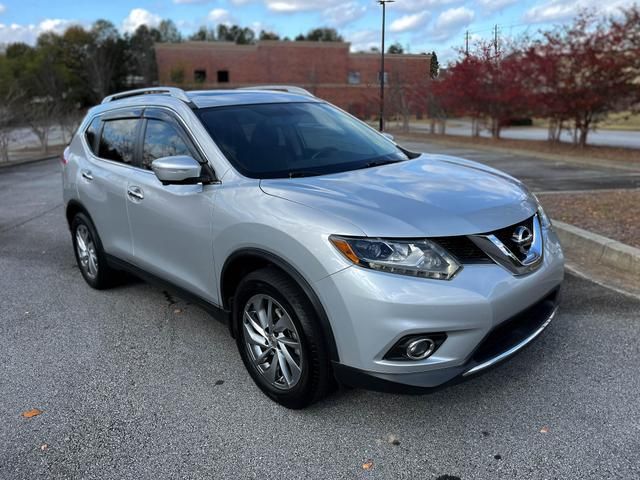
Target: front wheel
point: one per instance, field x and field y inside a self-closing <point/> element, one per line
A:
<point x="279" y="339"/>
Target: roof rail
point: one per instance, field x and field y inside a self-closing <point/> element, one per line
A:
<point x="172" y="91"/>
<point x="280" y="88"/>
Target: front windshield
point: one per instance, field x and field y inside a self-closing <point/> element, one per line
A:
<point x="280" y="140"/>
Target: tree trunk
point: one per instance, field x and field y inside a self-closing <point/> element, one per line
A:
<point x="559" y="131"/>
<point x="43" y="138"/>
<point x="475" y="127"/>
<point x="495" y="128"/>
<point x="432" y="126"/>
<point x="584" y="131"/>
<point x="4" y="146"/>
<point x="552" y="132"/>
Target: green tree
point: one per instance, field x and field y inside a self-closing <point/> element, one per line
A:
<point x="434" y="67"/>
<point x="142" y="55"/>
<point x="105" y="60"/>
<point x="236" y="34"/>
<point x="322" y="34"/>
<point x="203" y="34"/>
<point x="395" y="48"/>
<point x="264" y="35"/>
<point x="169" y="33"/>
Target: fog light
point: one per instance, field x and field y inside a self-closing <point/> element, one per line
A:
<point x="420" y="348"/>
<point x="417" y="346"/>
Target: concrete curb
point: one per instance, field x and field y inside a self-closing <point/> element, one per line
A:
<point x="27" y="161"/>
<point x="598" y="249"/>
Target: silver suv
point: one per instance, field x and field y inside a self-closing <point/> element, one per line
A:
<point x="334" y="255"/>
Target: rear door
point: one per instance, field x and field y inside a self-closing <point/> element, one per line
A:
<point x="103" y="174"/>
<point x="171" y="225"/>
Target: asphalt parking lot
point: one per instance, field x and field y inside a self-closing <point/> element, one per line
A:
<point x="541" y="175"/>
<point x="135" y="383"/>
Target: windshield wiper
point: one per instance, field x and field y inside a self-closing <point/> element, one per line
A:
<point x="304" y="173"/>
<point x="379" y="163"/>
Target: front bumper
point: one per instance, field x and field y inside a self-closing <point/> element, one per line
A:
<point x="370" y="311"/>
<point x="500" y="344"/>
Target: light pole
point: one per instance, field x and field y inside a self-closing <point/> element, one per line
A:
<point x="384" y="4"/>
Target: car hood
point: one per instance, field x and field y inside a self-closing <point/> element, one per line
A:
<point x="432" y="195"/>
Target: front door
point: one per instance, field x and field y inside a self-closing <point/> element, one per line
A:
<point x="171" y="225"/>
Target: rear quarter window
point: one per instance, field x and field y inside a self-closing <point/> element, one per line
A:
<point x="91" y="134"/>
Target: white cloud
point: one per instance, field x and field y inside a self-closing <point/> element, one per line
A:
<point x="495" y="5"/>
<point x="241" y="2"/>
<point x="15" y="32"/>
<point x="418" y="5"/>
<point x="409" y="22"/>
<point x="190" y="2"/>
<point x="18" y="33"/>
<point x="288" y="6"/>
<point x="2" y="8"/>
<point x="56" y="25"/>
<point x="560" y="10"/>
<point x="219" y="15"/>
<point x="363" y="40"/>
<point x="340" y="15"/>
<point x="450" y="22"/>
<point x="29" y="33"/>
<point x="140" y="16"/>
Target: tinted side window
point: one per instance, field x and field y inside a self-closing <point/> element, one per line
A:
<point x="91" y="134"/>
<point x="118" y="140"/>
<point x="161" y="139"/>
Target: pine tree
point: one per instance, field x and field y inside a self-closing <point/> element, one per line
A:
<point x="434" y="69"/>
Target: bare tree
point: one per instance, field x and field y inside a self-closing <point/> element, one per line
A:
<point x="7" y="123"/>
<point x="41" y="114"/>
<point x="104" y="58"/>
<point x="69" y="122"/>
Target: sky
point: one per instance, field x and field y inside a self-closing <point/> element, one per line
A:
<point x="418" y="25"/>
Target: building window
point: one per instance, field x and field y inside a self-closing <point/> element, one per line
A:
<point x="200" y="76"/>
<point x="223" y="76"/>
<point x="386" y="77"/>
<point x="354" y="78"/>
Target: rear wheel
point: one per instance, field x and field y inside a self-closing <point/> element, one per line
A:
<point x="279" y="339"/>
<point x="89" y="253"/>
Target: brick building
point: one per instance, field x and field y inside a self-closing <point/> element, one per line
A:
<point x="327" y="69"/>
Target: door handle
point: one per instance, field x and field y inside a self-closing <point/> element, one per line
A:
<point x="86" y="174"/>
<point x="135" y="192"/>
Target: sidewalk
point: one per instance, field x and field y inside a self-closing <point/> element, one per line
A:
<point x="21" y="158"/>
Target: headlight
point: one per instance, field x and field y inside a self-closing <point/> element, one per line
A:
<point x="418" y="258"/>
<point x="545" y="222"/>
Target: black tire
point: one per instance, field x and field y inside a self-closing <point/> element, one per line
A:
<point x="315" y="377"/>
<point x="106" y="276"/>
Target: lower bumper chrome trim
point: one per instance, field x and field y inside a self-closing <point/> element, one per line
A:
<point x="513" y="349"/>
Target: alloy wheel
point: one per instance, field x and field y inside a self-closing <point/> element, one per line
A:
<point x="272" y="341"/>
<point x="86" y="249"/>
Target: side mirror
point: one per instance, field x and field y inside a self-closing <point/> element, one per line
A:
<point x="389" y="136"/>
<point x="180" y="169"/>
